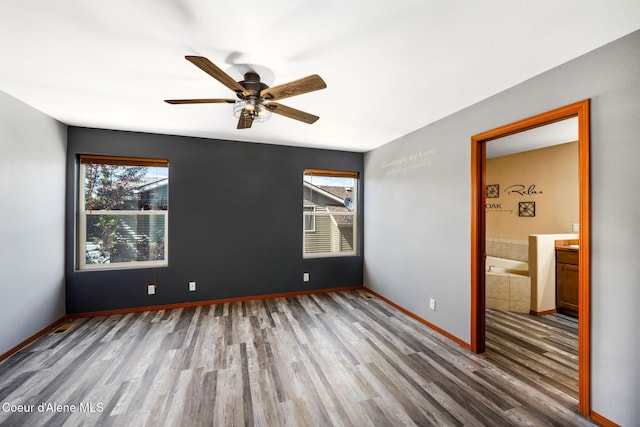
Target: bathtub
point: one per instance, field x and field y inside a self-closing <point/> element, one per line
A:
<point x="503" y="265"/>
<point x="507" y="285"/>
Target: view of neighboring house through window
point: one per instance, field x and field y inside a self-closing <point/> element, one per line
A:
<point x="123" y="212"/>
<point x="309" y="220"/>
<point x="330" y="213"/>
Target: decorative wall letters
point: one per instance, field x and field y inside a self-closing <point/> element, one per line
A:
<point x="525" y="209"/>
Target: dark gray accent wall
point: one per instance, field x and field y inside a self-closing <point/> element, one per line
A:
<point x="235" y="222"/>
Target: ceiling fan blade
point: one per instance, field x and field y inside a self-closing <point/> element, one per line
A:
<point x="200" y="101"/>
<point x="292" y="113"/>
<point x="245" y="121"/>
<point x="296" y="87"/>
<point x="210" y="68"/>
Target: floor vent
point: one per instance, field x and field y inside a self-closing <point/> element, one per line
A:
<point x="63" y="328"/>
<point x="365" y="295"/>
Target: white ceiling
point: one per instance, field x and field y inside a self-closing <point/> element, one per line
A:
<point x="391" y="67"/>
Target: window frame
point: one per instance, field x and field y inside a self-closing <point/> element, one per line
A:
<point x="318" y="213"/>
<point x="83" y="213"/>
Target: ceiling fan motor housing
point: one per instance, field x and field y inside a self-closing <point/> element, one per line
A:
<point x="253" y="86"/>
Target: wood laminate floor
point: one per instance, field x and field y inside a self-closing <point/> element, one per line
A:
<point x="335" y="359"/>
<point x="540" y="350"/>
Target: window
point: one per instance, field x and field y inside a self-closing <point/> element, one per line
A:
<point x="123" y="212"/>
<point x="330" y="213"/>
<point x="309" y="220"/>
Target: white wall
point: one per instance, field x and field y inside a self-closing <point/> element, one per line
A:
<point x="32" y="194"/>
<point x="417" y="224"/>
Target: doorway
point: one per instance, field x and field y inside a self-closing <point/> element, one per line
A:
<point x="478" y="232"/>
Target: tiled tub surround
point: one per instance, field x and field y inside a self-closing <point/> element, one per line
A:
<point x="517" y="250"/>
<point x="505" y="289"/>
<point x="507" y="285"/>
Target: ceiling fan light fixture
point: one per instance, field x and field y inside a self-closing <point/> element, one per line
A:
<point x="257" y="111"/>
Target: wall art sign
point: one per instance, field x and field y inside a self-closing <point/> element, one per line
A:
<point x="410" y="162"/>
<point x="522" y="190"/>
<point x="527" y="209"/>
<point x="493" y="191"/>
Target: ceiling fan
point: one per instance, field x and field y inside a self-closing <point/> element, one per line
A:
<point x="255" y="99"/>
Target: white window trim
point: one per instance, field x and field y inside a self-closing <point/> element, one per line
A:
<point x="353" y="213"/>
<point x="82" y="234"/>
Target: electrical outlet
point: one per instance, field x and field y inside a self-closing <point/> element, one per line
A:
<point x="192" y="286"/>
<point x="305" y="277"/>
<point x="432" y="304"/>
<point x="151" y="289"/>
<point x="575" y="228"/>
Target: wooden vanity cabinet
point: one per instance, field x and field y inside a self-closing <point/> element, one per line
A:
<point x="567" y="283"/>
